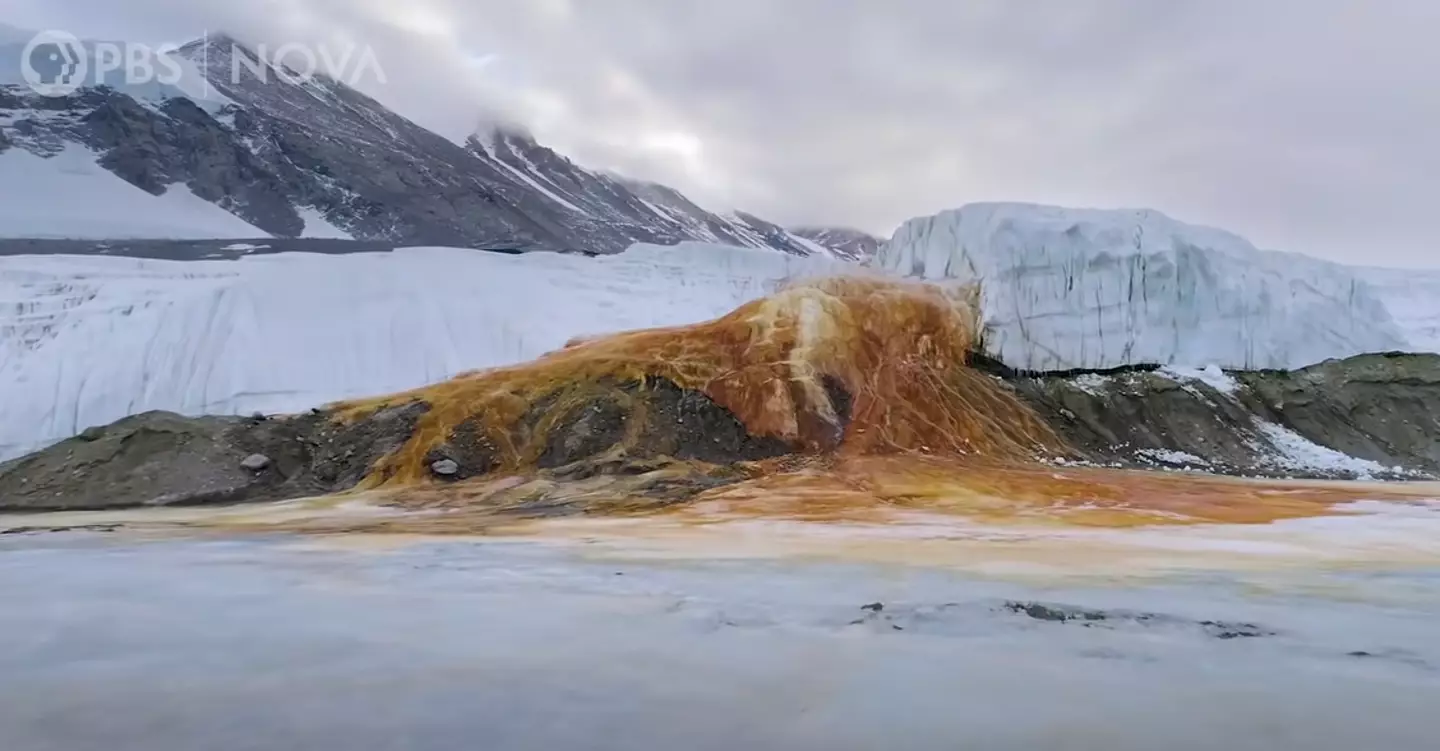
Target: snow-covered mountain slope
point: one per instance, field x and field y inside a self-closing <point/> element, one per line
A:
<point x="69" y="195"/>
<point x="850" y="244"/>
<point x="629" y="210"/>
<point x="278" y="151"/>
<point x="306" y="158"/>
<point x="87" y="340"/>
<point x="1073" y="288"/>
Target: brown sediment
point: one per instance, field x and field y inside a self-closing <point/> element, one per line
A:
<point x="854" y="402"/>
<point x="1024" y="530"/>
<point x="865" y="491"/>
<point x="849" y="366"/>
<point x="866" y="488"/>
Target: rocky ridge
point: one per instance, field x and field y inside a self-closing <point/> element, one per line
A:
<point x="1372" y="416"/>
<point x="277" y="150"/>
<point x="848" y="243"/>
<point x="1368" y="416"/>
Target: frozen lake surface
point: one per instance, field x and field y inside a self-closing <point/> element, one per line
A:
<point x="277" y="643"/>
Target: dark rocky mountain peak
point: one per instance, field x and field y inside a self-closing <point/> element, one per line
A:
<point x="852" y="244"/>
<point x="284" y="151"/>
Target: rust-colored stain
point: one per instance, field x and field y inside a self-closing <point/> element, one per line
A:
<point x="899" y="350"/>
<point x="871" y="488"/>
<point x="926" y="432"/>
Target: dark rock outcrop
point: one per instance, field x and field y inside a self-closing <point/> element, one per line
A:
<point x="466" y="448"/>
<point x="611" y="210"/>
<point x="1384" y="408"/>
<point x="1090" y="618"/>
<point x="944" y="617"/>
<point x="664" y="443"/>
<point x="164" y="459"/>
<point x="852" y="244"/>
<point x="621" y="430"/>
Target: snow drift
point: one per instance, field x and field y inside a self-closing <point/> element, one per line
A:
<point x="69" y="195"/>
<point x="1075" y="288"/>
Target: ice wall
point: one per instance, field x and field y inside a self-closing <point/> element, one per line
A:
<point x="1413" y="299"/>
<point x="1076" y="288"/>
<point x="87" y="340"/>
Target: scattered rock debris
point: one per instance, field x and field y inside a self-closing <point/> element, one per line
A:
<point x="1110" y="618"/>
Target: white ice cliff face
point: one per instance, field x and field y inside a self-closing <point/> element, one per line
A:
<point x="87" y="340"/>
<point x="1076" y="288"/>
<point x="1413" y="299"/>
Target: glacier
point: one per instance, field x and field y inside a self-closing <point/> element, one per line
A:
<point x="87" y="340"/>
<point x="1413" y="298"/>
<point x="1088" y="288"/>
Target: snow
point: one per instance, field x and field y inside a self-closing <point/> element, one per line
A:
<point x="1296" y="453"/>
<point x="1085" y="288"/>
<point x="87" y="340"/>
<point x="534" y="183"/>
<point x="69" y="195"/>
<point x="742" y="229"/>
<point x="317" y="226"/>
<point x="1210" y="375"/>
<point x="488" y="143"/>
<point x="164" y="644"/>
<point x="811" y="247"/>
<point x="656" y="210"/>
<point x="530" y="167"/>
<point x="191" y="84"/>
<point x="654" y="197"/>
<point x="1092" y="383"/>
<point x="1170" y="456"/>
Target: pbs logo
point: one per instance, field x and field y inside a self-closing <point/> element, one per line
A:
<point x="54" y="63"/>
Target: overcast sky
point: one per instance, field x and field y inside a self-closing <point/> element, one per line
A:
<point x="1306" y="125"/>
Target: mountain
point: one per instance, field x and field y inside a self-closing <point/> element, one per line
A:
<point x="613" y="205"/>
<point x="851" y="244"/>
<point x="1077" y="288"/>
<point x="313" y="157"/>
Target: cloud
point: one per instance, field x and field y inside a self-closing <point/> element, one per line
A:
<point x="1305" y="125"/>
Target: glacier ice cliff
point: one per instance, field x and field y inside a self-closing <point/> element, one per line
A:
<point x="1084" y="288"/>
<point x="1413" y="299"/>
<point x="87" y="340"/>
